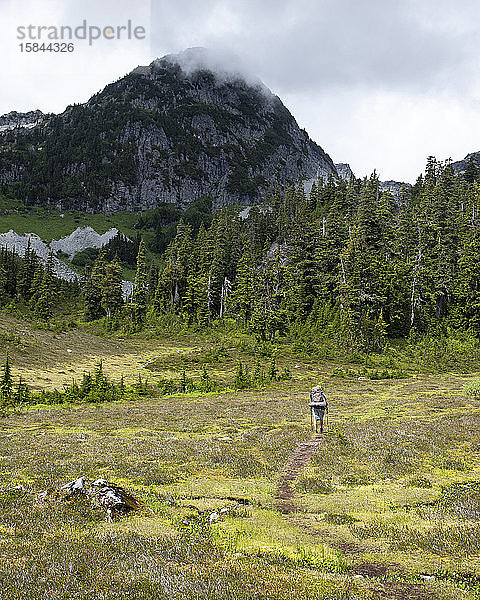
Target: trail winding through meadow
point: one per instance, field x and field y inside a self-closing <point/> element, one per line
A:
<point x="295" y="465"/>
<point x="380" y="573"/>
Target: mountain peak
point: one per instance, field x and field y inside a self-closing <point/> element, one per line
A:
<point x="188" y="125"/>
<point x="344" y="171"/>
<point x="460" y="166"/>
<point x="208" y="59"/>
<point x="223" y="64"/>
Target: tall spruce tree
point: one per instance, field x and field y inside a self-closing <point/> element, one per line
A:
<point x="6" y="381"/>
<point x="140" y="286"/>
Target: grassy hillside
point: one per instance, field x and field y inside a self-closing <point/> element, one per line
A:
<point x="50" y="224"/>
<point x="388" y="507"/>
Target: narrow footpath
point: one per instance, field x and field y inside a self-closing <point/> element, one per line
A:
<point x="295" y="465"/>
<point x="380" y="574"/>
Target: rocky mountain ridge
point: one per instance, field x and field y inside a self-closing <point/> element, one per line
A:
<point x="16" y="120"/>
<point x="460" y="166"/>
<point x="397" y="188"/>
<point x="344" y="171"/>
<point x="172" y="131"/>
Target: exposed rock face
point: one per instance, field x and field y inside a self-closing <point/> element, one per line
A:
<point x="15" y="120"/>
<point x="20" y="243"/>
<point x="460" y="166"/>
<point x="82" y="238"/>
<point x="173" y="131"/>
<point x="344" y="171"/>
<point x="399" y="189"/>
<point x="78" y="240"/>
<point x="320" y="172"/>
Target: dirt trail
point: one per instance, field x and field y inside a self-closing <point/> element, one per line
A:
<point x="379" y="573"/>
<point x="297" y="462"/>
<point x="284" y="497"/>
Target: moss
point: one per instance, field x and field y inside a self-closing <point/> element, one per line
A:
<point x="388" y="441"/>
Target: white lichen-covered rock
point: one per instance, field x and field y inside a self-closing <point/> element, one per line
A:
<point x="75" y="488"/>
<point x="114" y="499"/>
<point x="13" y="240"/>
<point x="81" y="239"/>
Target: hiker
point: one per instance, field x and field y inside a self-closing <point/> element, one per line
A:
<point x="318" y="405"/>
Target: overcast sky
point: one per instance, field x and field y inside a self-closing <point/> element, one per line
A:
<point x="377" y="83"/>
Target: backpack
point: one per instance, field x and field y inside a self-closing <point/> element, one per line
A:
<point x="317" y="397"/>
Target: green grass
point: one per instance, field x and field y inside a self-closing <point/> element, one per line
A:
<point x="394" y="491"/>
<point x="43" y="222"/>
<point x="64" y="552"/>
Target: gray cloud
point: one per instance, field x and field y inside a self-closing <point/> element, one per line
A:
<point x="378" y="83"/>
<point x="225" y="64"/>
<point x="310" y="44"/>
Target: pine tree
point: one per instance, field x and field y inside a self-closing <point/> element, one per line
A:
<point x="471" y="172"/>
<point x="138" y="304"/>
<point x="26" y="274"/>
<point x="111" y="288"/>
<point x="467" y="285"/>
<point x="302" y="272"/>
<point x="6" y="382"/>
<point x="242" y="298"/>
<point x="93" y="288"/>
<point x="45" y="297"/>
<point x="4" y="297"/>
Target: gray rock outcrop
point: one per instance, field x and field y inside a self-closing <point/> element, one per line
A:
<point x="344" y="171"/>
<point x="460" y="166"/>
<point x="80" y="239"/>
<point x="15" y="120"/>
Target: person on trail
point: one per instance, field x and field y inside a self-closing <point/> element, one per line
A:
<point x="319" y="406"/>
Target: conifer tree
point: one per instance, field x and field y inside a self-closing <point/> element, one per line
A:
<point x="93" y="288"/>
<point x="471" y="172"/>
<point x="111" y="288"/>
<point x="140" y="287"/>
<point x="26" y="274"/>
<point x="242" y="297"/>
<point x="46" y="293"/>
<point x="6" y="382"/>
<point x="3" y="282"/>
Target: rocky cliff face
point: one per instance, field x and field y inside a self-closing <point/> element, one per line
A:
<point x="344" y="171"/>
<point x="399" y="189"/>
<point x="15" y="120"/>
<point x="460" y="166"/>
<point x="169" y="132"/>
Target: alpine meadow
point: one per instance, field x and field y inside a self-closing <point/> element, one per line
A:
<point x="182" y="268"/>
